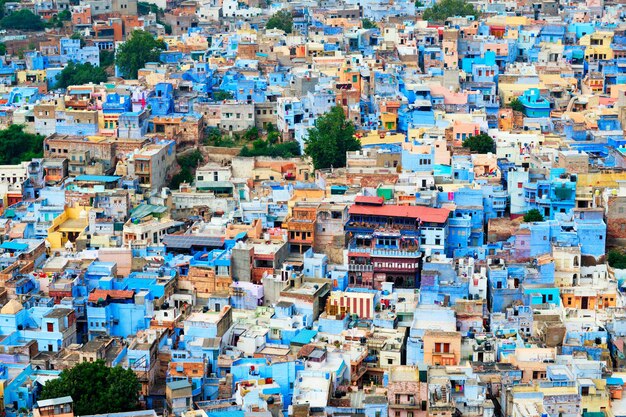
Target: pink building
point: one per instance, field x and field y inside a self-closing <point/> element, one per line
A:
<point x="407" y="395"/>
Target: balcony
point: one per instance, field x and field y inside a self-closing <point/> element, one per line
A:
<point x="411" y="269"/>
<point x="389" y="253"/>
<point x="360" y="268"/>
<point x="408" y="405"/>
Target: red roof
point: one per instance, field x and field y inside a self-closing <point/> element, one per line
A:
<point x="425" y="214"/>
<point x="363" y="199"/>
<point x="114" y="294"/>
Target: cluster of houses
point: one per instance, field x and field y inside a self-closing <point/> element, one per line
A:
<point x="410" y="282"/>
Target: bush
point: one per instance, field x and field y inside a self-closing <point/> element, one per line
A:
<point x="261" y="147"/>
<point x="191" y="159"/>
<point x="368" y="24"/>
<point x="516" y="105"/>
<point x="533" y="215"/>
<point x="221" y="95"/>
<point x="188" y="163"/>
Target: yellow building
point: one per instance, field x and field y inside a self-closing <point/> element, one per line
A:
<point x="31" y="76"/>
<point x="389" y="121"/>
<point x="598" y="45"/>
<point x="595" y="395"/>
<point x="67" y="227"/>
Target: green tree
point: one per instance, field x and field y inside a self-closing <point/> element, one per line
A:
<point x="77" y="35"/>
<point x="368" y="24"/>
<point x="17" y="146"/>
<point x="57" y="21"/>
<point x="221" y="95"/>
<point x="144" y="8"/>
<point x="273" y="135"/>
<point x="3" y="49"/>
<point x="480" y="143"/>
<point x="141" y="47"/>
<point x="330" y="139"/>
<point x="64" y="16"/>
<point x="78" y="74"/>
<point x="251" y="134"/>
<point x="188" y="163"/>
<point x="96" y="388"/>
<point x="617" y="259"/>
<point x="107" y="58"/>
<point x="23" y="19"/>
<point x="213" y="136"/>
<point x="282" y="20"/>
<point x="418" y="4"/>
<point x="444" y="9"/>
<point x="191" y="159"/>
<point x="533" y="215"/>
<point x="516" y="105"/>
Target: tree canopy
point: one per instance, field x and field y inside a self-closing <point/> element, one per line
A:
<point x="144" y="8"/>
<point x="17" y="146"/>
<point x="368" y="24"/>
<point x="533" y="215"/>
<point x="141" y="47"/>
<point x="107" y="58"/>
<point x="617" y="259"/>
<point x="480" y="143"/>
<point x="282" y="20"/>
<point x="23" y="19"/>
<point x="77" y="74"/>
<point x="330" y="139"/>
<point x="444" y="9"/>
<point x="96" y="388"/>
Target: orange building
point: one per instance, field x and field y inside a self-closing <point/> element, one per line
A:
<point x="442" y="348"/>
<point x="205" y="281"/>
<point x="588" y="298"/>
<point x="301" y="226"/>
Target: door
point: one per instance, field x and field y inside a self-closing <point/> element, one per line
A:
<point x="584" y="303"/>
